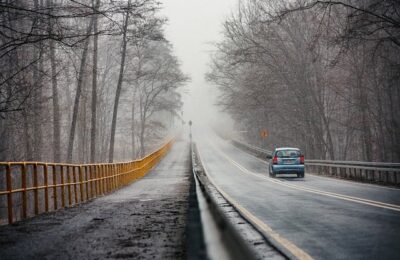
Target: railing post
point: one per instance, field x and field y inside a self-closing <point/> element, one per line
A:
<point x="69" y="185"/>
<point x="86" y="179"/>
<point x="24" y="193"/>
<point x="75" y="184"/>
<point x="117" y="170"/>
<point x="62" y="186"/>
<point x="92" y="183"/>
<point x="112" y="182"/>
<point x="36" y="192"/>
<point x="99" y="174"/>
<point x="117" y="174"/>
<point x="93" y="180"/>
<point x="9" y="194"/>
<point x="55" y="202"/>
<point x="102" y="180"/>
<point x="46" y="188"/>
<point x="81" y="183"/>
<point x="107" y="181"/>
<point x="96" y="182"/>
<point x="114" y="170"/>
<point x="111" y="167"/>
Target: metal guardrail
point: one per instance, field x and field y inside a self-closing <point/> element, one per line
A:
<point x="253" y="149"/>
<point x="357" y="163"/>
<point x="232" y="244"/>
<point x="379" y="172"/>
<point x="62" y="185"/>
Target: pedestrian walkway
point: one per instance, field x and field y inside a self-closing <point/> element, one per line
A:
<point x="145" y="220"/>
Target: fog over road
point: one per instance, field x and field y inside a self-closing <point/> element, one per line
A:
<point x="326" y="218"/>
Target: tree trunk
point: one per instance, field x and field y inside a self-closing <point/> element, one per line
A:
<point x="28" y="146"/>
<point x="94" y="86"/>
<point x="142" y="127"/>
<point x="119" y="87"/>
<point x="56" y="105"/>
<point x="38" y="97"/>
<point x="142" y="148"/>
<point x="133" y="131"/>
<point x="78" y="94"/>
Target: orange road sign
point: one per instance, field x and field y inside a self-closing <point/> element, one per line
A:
<point x="263" y="133"/>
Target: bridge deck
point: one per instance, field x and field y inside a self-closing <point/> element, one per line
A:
<point x="326" y="218"/>
<point x="143" y="220"/>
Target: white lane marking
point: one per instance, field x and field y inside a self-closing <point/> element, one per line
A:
<point x="311" y="190"/>
<point x="292" y="248"/>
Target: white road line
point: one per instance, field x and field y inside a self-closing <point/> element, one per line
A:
<point x="292" y="248"/>
<point x="311" y="190"/>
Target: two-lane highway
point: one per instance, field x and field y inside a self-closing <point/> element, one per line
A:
<point x="314" y="217"/>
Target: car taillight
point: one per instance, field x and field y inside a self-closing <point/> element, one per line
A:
<point x="275" y="160"/>
<point x="301" y="159"/>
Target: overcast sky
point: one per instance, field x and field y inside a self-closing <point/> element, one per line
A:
<point x="193" y="25"/>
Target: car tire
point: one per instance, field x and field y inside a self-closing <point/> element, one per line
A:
<point x="300" y="175"/>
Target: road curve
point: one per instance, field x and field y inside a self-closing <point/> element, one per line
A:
<point x="324" y="218"/>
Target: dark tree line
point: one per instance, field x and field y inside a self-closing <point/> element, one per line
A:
<point x="321" y="75"/>
<point x="72" y="75"/>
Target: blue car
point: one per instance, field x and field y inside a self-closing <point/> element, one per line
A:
<point x="287" y="160"/>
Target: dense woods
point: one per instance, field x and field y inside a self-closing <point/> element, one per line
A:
<point x="320" y="75"/>
<point x="85" y="81"/>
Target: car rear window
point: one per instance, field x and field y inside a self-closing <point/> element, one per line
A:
<point x="288" y="153"/>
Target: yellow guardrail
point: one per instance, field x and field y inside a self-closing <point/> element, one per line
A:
<point x="61" y="185"/>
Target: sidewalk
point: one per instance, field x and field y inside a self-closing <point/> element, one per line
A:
<point x="145" y="220"/>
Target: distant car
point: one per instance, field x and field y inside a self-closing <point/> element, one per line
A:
<point x="287" y="160"/>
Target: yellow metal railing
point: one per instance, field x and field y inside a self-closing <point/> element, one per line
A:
<point x="44" y="187"/>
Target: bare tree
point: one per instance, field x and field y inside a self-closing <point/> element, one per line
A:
<point x="61" y="93"/>
<point x="312" y="73"/>
<point x="134" y="26"/>
<point x="78" y="92"/>
<point x="96" y="5"/>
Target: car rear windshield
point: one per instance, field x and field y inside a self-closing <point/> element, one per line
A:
<point x="288" y="153"/>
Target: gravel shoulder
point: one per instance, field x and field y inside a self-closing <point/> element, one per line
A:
<point x="145" y="220"/>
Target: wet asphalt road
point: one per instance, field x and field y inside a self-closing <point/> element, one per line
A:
<point x="311" y="213"/>
<point x="145" y="220"/>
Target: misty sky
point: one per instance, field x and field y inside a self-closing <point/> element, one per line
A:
<point x="193" y="25"/>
